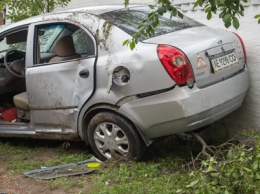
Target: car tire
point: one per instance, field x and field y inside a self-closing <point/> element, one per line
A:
<point x="112" y="136"/>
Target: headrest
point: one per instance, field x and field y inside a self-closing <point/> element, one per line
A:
<point x="65" y="47"/>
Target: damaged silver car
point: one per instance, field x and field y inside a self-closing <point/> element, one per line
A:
<point x="67" y="76"/>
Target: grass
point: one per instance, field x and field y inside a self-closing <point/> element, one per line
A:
<point x="161" y="171"/>
<point x="137" y="178"/>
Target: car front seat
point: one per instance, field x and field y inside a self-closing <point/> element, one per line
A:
<point x="65" y="50"/>
<point x="22" y="104"/>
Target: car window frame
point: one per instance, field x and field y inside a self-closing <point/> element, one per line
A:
<point x="32" y="36"/>
<point x="9" y="31"/>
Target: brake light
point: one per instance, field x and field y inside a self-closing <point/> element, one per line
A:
<point x="243" y="45"/>
<point x="176" y="64"/>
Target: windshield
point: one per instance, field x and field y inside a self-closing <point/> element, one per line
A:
<point x="128" y="20"/>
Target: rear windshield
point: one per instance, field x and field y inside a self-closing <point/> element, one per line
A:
<point x="128" y="20"/>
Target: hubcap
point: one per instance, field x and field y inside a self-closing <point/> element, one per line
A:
<point x="110" y="139"/>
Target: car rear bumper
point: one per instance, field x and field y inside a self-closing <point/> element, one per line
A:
<point x="183" y="109"/>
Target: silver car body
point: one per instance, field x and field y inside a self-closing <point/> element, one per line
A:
<point x="60" y="100"/>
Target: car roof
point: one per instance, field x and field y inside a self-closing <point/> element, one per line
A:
<point x="95" y="10"/>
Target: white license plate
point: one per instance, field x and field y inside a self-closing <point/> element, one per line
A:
<point x="224" y="62"/>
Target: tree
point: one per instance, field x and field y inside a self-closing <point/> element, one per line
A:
<point x="229" y="11"/>
<point x="21" y="9"/>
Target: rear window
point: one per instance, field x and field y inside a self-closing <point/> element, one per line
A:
<point x="128" y="20"/>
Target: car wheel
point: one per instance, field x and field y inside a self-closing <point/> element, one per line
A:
<point x="112" y="136"/>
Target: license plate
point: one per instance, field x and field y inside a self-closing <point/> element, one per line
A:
<point x="224" y="62"/>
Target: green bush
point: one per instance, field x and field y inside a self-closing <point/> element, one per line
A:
<point x="234" y="169"/>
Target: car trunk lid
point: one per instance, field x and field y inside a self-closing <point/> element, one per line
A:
<point x="214" y="54"/>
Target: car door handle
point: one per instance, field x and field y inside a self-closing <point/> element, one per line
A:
<point x="84" y="73"/>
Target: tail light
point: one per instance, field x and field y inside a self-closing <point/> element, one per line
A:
<point x="243" y="45"/>
<point x="176" y="64"/>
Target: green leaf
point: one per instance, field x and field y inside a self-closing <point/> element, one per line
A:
<point x="161" y="11"/>
<point x="136" y="39"/>
<point x="212" y="159"/>
<point x="201" y="2"/>
<point x="126" y="3"/>
<point x="247" y="169"/>
<point x="214" y="8"/>
<point x="132" y="45"/>
<point x="241" y="8"/>
<point x="214" y="174"/>
<point x="257" y="16"/>
<point x="126" y="42"/>
<point x="209" y="15"/>
<point x="235" y="23"/>
<point x="221" y="15"/>
<point x="207" y="9"/>
<point x="215" y="182"/>
<point x="152" y="31"/>
<point x="196" y="4"/>
<point x="179" y="191"/>
<point x="210" y="169"/>
<point x="150" y="14"/>
<point x="180" y="14"/>
<point x="192" y="183"/>
<point x="173" y="13"/>
<point x="255" y="165"/>
<point x="227" y="20"/>
<point x="151" y="6"/>
<point x="240" y="13"/>
<point x="222" y="2"/>
<point x="226" y="192"/>
<point x="257" y="176"/>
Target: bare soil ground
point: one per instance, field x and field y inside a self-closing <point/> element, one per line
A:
<point x="11" y="183"/>
<point x="16" y="183"/>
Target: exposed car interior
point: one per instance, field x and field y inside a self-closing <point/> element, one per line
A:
<point x="60" y="42"/>
<point x="12" y="62"/>
<point x="65" y="50"/>
<point x="12" y="71"/>
<point x="55" y="43"/>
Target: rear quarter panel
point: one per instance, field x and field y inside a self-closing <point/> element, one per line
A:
<point x="146" y="71"/>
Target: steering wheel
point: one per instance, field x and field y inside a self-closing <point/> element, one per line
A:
<point x="16" y="68"/>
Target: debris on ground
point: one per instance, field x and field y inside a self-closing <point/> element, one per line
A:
<point x="77" y="168"/>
